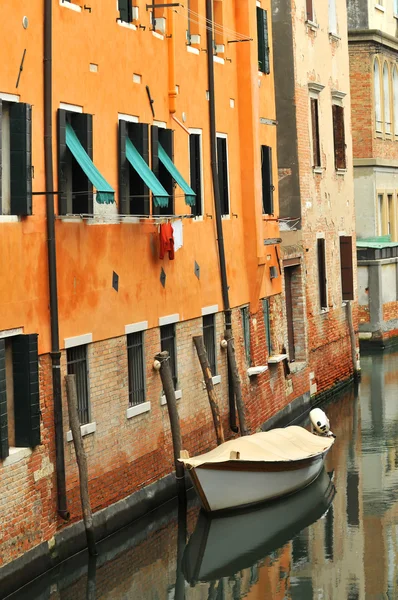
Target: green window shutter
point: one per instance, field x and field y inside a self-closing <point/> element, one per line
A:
<point x="82" y="124"/>
<point x="62" y="161"/>
<point x="26" y="390"/>
<point x="263" y="41"/>
<point x="267" y="324"/>
<point x="21" y="158"/>
<point x="125" y="11"/>
<point x="166" y="139"/>
<point x="1" y="154"/>
<point x="3" y="404"/>
<point x="267" y="181"/>
<point x="124" y="201"/>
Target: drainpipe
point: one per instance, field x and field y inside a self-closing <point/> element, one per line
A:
<point x="217" y="201"/>
<point x="172" y="63"/>
<point x="52" y="265"/>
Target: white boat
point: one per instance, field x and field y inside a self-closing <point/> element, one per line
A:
<point x="223" y="545"/>
<point x="260" y="467"/>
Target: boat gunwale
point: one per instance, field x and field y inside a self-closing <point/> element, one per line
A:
<point x="270" y="466"/>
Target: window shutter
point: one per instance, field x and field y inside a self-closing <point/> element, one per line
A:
<point x="222" y="167"/>
<point x="26" y="390"/>
<point x="125" y="11"/>
<point x="322" y="273"/>
<point x="166" y="138"/>
<point x="267" y="324"/>
<point x="316" y="153"/>
<point x="339" y="137"/>
<point x="195" y="168"/>
<point x="263" y="41"/>
<point x="1" y="153"/>
<point x="62" y="161"/>
<point x="268" y="187"/>
<point x="154" y="149"/>
<point x="347" y="278"/>
<point x="21" y="158"/>
<point x="82" y="124"/>
<point x="139" y="192"/>
<point x="3" y="404"/>
<point x="124" y="201"/>
<point x="310" y="10"/>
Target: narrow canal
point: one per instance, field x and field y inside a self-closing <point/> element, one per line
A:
<point x="336" y="540"/>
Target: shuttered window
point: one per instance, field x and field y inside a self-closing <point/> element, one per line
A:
<point x="267" y="324"/>
<point x="135" y="359"/>
<point x="77" y="365"/>
<point x="168" y="343"/>
<point x="347" y="277"/>
<point x="310" y="10"/>
<point x="222" y="167"/>
<point x="164" y="137"/>
<point x="246" y="333"/>
<point x="339" y="137"/>
<point x="195" y="162"/>
<point x="263" y="41"/>
<point x="322" y="273"/>
<point x="3" y="404"/>
<point x="316" y="150"/>
<point x="133" y="192"/>
<point x="209" y="339"/>
<point x="125" y="10"/>
<point x="267" y="182"/>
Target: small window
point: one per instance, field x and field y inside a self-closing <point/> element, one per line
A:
<point x="135" y="361"/>
<point x="347" y="276"/>
<point x="390" y="215"/>
<point x="316" y="148"/>
<point x="263" y="41"/>
<point x="267" y="324"/>
<point x="377" y="97"/>
<point x="246" y="333"/>
<point x="168" y="342"/>
<point x="310" y="10"/>
<point x="165" y="137"/>
<point x="209" y="338"/>
<point x="322" y="273"/>
<point x="125" y="10"/>
<point x="77" y="365"/>
<point x="133" y="192"/>
<point x="332" y="17"/>
<point x="339" y="137"/>
<point x="267" y="181"/>
<point x="380" y="203"/>
<point x="386" y="94"/>
<point x="195" y="161"/>
<point x="222" y="167"/>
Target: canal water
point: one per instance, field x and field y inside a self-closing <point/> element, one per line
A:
<point x="336" y="540"/>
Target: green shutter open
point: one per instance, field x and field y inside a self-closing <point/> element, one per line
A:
<point x="160" y="196"/>
<point x="4" y="451"/>
<point x="105" y="193"/>
<point x="21" y="158"/>
<point x="26" y="390"/>
<point x="263" y="41"/>
<point x="190" y="196"/>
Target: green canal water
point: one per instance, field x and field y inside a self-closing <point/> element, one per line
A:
<point x="336" y="540"/>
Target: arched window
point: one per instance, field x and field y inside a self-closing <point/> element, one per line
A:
<point x="376" y="73"/>
<point x="395" y="92"/>
<point x="387" y="104"/>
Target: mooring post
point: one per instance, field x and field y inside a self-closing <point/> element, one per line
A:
<point x="168" y="389"/>
<point x="236" y="383"/>
<point x="356" y="372"/>
<point x="211" y="392"/>
<point x="81" y="460"/>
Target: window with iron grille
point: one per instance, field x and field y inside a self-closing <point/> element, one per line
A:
<point x="135" y="363"/>
<point x="246" y="333"/>
<point x="168" y="342"/>
<point x="77" y="365"/>
<point x="267" y="324"/>
<point x="209" y="338"/>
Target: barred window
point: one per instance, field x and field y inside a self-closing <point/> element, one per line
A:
<point x="168" y="342"/>
<point x="135" y="363"/>
<point x="246" y="333"/>
<point x="267" y="324"/>
<point x="209" y="338"/>
<point x="77" y="365"/>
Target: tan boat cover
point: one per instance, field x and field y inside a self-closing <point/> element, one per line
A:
<point x="282" y="445"/>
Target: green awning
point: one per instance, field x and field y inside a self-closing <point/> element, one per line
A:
<point x="105" y="193"/>
<point x="160" y="196"/>
<point x="190" y="196"/>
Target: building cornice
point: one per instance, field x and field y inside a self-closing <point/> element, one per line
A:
<point x="313" y="86"/>
<point x="375" y="162"/>
<point x="356" y="36"/>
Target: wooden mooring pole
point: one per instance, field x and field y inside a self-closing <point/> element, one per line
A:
<point x="236" y="383"/>
<point x="356" y="371"/>
<point x="168" y="389"/>
<point x="81" y="462"/>
<point x="211" y="392"/>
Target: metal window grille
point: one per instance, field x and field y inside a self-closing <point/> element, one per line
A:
<point x="135" y="361"/>
<point x="209" y="339"/>
<point x="246" y="333"/>
<point x="168" y="342"/>
<point x="77" y="365"/>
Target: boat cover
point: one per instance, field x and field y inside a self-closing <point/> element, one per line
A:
<point x="277" y="445"/>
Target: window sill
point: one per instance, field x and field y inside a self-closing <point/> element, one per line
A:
<point x="297" y="366"/>
<point x="71" y="6"/>
<point x="324" y="311"/>
<point x="254" y="371"/>
<point x="9" y="218"/>
<point x="85" y="430"/>
<point x="318" y="170"/>
<point x="127" y="25"/>
<point x="192" y="50"/>
<point x="198" y="219"/>
<point x="334" y="37"/>
<point x="312" y="25"/>
<point x="163" y="400"/>
<point x="226" y="217"/>
<point x="380" y="8"/>
<point x="395" y="16"/>
<point x="216" y="380"/>
<point x="139" y="409"/>
<point x="15" y="455"/>
<point x="157" y="35"/>
<point x="276" y="358"/>
<point x="341" y="171"/>
<point x="219" y="60"/>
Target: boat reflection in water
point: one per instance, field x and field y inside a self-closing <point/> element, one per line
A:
<point x="222" y="545"/>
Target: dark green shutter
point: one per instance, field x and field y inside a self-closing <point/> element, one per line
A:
<point x="82" y="124"/>
<point x="222" y="169"/>
<point x="262" y="40"/>
<point x="124" y="203"/>
<point x="166" y="139"/>
<point x="267" y="324"/>
<point x="1" y="154"/>
<point x="125" y="11"/>
<point x="267" y="181"/>
<point x="62" y="161"/>
<point x="347" y="276"/>
<point x="139" y="192"/>
<point x="26" y="390"/>
<point x="154" y="150"/>
<point x="21" y="158"/>
<point x="195" y="171"/>
<point x="3" y="404"/>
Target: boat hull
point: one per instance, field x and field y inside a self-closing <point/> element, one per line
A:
<point x="234" y="484"/>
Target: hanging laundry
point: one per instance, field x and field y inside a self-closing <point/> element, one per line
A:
<point x="166" y="241"/>
<point x="177" y="234"/>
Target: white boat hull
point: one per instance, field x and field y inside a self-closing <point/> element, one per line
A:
<point x="233" y="484"/>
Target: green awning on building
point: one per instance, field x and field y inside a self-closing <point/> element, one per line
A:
<point x="105" y="193"/>
<point x="190" y="196"/>
<point x="160" y="196"/>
